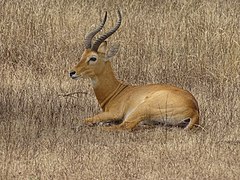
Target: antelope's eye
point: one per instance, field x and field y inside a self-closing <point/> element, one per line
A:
<point x="92" y="59"/>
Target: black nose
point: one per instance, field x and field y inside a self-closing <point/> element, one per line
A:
<point x="72" y="73"/>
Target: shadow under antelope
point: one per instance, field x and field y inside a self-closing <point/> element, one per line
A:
<point x="132" y="104"/>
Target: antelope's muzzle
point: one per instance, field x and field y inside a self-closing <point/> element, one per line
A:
<point x="73" y="75"/>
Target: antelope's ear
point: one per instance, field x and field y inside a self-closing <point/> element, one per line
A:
<point x="103" y="47"/>
<point x="112" y="51"/>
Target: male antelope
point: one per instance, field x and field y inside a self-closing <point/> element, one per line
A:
<point x="164" y="104"/>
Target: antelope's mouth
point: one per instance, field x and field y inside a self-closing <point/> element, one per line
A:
<point x="74" y="77"/>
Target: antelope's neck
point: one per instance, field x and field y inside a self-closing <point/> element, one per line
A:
<point x="106" y="86"/>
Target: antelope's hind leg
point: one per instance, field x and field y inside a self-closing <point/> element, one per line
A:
<point x="130" y="122"/>
<point x="194" y="121"/>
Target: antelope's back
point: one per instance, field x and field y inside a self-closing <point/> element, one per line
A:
<point x="157" y="95"/>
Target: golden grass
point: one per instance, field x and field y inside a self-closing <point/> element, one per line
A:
<point x="192" y="44"/>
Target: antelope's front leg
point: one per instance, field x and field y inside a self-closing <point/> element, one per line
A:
<point x="101" y="117"/>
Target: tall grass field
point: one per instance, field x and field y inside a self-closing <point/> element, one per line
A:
<point x="192" y="44"/>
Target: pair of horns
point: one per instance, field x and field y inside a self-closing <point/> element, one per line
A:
<point x="90" y="35"/>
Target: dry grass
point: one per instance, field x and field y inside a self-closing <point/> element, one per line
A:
<point x="192" y="44"/>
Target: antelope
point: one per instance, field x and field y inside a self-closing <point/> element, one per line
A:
<point x="131" y="104"/>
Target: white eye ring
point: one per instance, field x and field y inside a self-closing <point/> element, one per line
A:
<point x="92" y="60"/>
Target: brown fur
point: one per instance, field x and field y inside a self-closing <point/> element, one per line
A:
<point x="133" y="104"/>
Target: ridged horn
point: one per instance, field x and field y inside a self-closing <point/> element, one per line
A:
<point x="91" y="34"/>
<point x="108" y="34"/>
